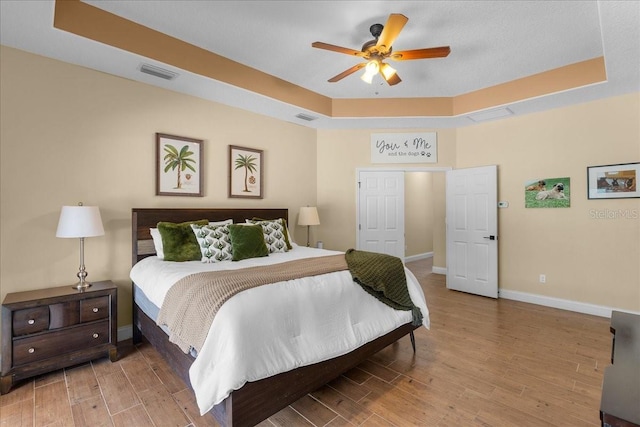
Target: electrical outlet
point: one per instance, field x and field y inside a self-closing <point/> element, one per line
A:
<point x="543" y="278"/>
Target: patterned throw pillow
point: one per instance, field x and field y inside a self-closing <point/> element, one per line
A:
<point x="282" y="222"/>
<point x="274" y="236"/>
<point x="214" y="242"/>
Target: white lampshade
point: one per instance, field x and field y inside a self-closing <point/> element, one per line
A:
<point x="308" y="216"/>
<point x="80" y="221"/>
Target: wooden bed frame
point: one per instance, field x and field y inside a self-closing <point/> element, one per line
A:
<point x="257" y="400"/>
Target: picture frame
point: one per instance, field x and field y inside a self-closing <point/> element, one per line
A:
<point x="618" y="181"/>
<point x="246" y="172"/>
<point x="547" y="192"/>
<point x="179" y="170"/>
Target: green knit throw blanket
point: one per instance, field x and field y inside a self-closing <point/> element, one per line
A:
<point x="383" y="277"/>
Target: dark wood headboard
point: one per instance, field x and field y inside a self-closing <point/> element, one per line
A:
<point x="142" y="219"/>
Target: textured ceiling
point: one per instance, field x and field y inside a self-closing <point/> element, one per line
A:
<point x="488" y="46"/>
<point x="492" y="43"/>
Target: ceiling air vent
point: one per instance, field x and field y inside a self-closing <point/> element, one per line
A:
<point x="158" y="72"/>
<point x="306" y="117"/>
<point x="490" y="114"/>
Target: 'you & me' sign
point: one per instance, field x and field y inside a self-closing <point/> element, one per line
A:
<point x="404" y="147"/>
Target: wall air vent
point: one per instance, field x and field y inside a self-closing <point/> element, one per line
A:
<point x="157" y="72"/>
<point x="306" y="117"/>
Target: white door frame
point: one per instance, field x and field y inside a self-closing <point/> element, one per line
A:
<point x="391" y="169"/>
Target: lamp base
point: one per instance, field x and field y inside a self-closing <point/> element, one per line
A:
<point x="81" y="286"/>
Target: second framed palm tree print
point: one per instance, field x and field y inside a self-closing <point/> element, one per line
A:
<point x="245" y="172"/>
<point x="178" y="166"/>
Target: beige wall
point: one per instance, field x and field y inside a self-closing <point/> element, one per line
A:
<point x="71" y="134"/>
<point x="585" y="259"/>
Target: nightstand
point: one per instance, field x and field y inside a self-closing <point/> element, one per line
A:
<point x="49" y="329"/>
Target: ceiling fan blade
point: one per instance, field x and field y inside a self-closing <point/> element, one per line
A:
<point x="392" y="28"/>
<point x="346" y="73"/>
<point x="432" y="52"/>
<point x="339" y="49"/>
<point x="393" y="80"/>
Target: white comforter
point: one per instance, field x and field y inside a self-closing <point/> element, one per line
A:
<point x="276" y="328"/>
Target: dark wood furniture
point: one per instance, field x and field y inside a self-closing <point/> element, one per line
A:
<point x="620" y="402"/>
<point x="48" y="329"/>
<point x="258" y="400"/>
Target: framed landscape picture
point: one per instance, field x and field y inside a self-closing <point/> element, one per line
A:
<point x="613" y="181"/>
<point x="245" y="172"/>
<point x="178" y="166"/>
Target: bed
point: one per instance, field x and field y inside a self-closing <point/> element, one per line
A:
<point x="255" y="400"/>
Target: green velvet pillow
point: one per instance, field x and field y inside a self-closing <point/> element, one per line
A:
<point x="179" y="242"/>
<point x="247" y="241"/>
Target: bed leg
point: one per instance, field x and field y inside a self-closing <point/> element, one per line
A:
<point x="413" y="341"/>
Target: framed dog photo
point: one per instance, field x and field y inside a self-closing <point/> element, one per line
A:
<point x="613" y="181"/>
<point x="547" y="193"/>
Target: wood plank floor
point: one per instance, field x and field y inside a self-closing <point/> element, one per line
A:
<point x="484" y="362"/>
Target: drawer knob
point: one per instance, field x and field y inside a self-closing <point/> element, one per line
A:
<point x="31" y="321"/>
<point x="31" y="350"/>
<point x="95" y="335"/>
<point x="95" y="309"/>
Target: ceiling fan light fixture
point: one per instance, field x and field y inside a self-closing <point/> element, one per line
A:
<point x="370" y="70"/>
<point x="387" y="71"/>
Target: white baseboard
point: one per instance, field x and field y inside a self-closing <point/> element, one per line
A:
<point x="439" y="270"/>
<point x="418" y="257"/>
<point x="125" y="332"/>
<point x="563" y="304"/>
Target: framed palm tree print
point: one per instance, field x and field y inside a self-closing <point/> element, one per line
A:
<point x="178" y="166"/>
<point x="245" y="172"/>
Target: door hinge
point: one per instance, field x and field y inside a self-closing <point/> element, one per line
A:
<point x="358" y="184"/>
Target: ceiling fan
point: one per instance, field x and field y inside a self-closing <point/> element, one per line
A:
<point x="377" y="50"/>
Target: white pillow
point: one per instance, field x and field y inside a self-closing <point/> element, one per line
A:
<point x="157" y="242"/>
<point x="157" y="239"/>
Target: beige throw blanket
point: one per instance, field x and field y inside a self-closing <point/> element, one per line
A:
<point x="191" y="304"/>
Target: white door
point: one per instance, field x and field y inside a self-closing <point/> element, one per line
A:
<point x="381" y="212"/>
<point x="472" y="230"/>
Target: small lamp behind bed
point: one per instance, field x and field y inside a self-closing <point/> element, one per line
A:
<point x="80" y="222"/>
<point x="308" y="216"/>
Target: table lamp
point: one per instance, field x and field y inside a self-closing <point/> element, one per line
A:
<point x="308" y="216"/>
<point x="80" y="222"/>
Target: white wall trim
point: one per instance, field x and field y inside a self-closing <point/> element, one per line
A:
<point x="418" y="257"/>
<point x="439" y="270"/>
<point x="563" y="304"/>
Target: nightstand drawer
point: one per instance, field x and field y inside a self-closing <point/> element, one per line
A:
<point x="46" y="345"/>
<point x="94" y="309"/>
<point x="30" y="320"/>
